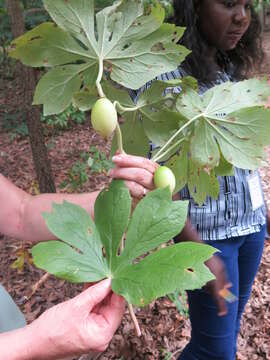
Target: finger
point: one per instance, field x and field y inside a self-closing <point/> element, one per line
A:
<point x="124" y="160"/>
<point x="114" y="311"/>
<point x="222" y="306"/>
<point x="228" y="285"/>
<point x="141" y="176"/>
<point x="87" y="285"/>
<point x="94" y="295"/>
<point x="136" y="190"/>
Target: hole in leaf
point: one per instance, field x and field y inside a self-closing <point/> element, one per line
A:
<point x="190" y="270"/>
<point x="126" y="46"/>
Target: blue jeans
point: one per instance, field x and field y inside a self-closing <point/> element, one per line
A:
<point x="214" y="337"/>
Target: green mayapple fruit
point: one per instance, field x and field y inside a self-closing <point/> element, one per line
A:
<point x="104" y="117"/>
<point x="164" y="177"/>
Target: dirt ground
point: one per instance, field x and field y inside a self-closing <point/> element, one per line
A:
<point x="165" y="331"/>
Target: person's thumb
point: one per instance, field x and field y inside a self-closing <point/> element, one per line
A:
<point x="94" y="294"/>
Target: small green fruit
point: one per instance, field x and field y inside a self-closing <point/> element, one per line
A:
<point x="104" y="117"/>
<point x="164" y="177"/>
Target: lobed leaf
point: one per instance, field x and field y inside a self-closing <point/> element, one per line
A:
<point x="78" y="257"/>
<point x="134" y="47"/>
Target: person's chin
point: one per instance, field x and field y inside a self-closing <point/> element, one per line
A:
<point x="232" y="42"/>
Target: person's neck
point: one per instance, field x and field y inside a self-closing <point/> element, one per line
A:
<point x="211" y="57"/>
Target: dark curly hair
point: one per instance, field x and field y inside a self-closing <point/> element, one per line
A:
<point x="248" y="54"/>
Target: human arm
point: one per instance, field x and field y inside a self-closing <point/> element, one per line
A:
<point x="80" y="325"/>
<point x="21" y="213"/>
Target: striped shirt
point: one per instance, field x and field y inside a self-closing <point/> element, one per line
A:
<point x="231" y="215"/>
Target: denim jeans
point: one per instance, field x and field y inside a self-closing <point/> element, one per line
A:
<point x="214" y="337"/>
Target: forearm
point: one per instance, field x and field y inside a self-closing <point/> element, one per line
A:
<point x="21" y="213"/>
<point x="188" y="234"/>
<point x="33" y="227"/>
<point x="19" y="345"/>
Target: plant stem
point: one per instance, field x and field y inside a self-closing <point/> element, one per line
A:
<point x="130" y="307"/>
<point x="168" y="150"/>
<point x="119" y="138"/>
<point x="158" y="154"/>
<point x="99" y="78"/>
<point x="135" y="321"/>
<point x="125" y="109"/>
<point x="119" y="134"/>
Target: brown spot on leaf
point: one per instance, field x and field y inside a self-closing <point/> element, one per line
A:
<point x="35" y="38"/>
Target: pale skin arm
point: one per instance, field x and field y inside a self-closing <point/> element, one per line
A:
<point x="96" y="315"/>
<point x="21" y="213"/>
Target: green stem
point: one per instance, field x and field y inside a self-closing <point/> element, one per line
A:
<point x="169" y="150"/>
<point x="99" y="78"/>
<point x="158" y="154"/>
<point x="119" y="134"/>
<point x="125" y="109"/>
<point x="130" y="307"/>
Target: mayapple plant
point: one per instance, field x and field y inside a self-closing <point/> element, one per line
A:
<point x="91" y="60"/>
<point x="91" y="56"/>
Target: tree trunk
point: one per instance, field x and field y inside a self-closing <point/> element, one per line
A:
<point x="39" y="150"/>
<point x="261" y="13"/>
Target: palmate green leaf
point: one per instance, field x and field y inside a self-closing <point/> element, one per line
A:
<point x="77" y="256"/>
<point x="215" y="140"/>
<point x="133" y="47"/>
<point x="231" y="120"/>
<point x="179" y="267"/>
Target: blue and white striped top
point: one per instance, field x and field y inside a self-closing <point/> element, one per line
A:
<point x="231" y="215"/>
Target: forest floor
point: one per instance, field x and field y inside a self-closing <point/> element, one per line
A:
<point x="165" y="330"/>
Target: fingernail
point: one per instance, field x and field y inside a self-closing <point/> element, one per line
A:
<point x="116" y="158"/>
<point x="106" y="282"/>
